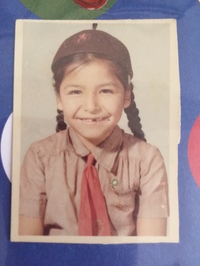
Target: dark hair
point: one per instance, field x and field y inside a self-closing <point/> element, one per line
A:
<point x="84" y="58"/>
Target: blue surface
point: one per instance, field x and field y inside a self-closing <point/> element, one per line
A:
<point x="185" y="253"/>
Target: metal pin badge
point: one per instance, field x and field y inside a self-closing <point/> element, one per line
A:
<point x="114" y="182"/>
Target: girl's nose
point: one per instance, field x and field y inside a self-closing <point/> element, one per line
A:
<point x="92" y="103"/>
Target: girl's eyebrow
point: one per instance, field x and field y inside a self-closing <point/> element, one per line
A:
<point x="73" y="86"/>
<point x="111" y="84"/>
<point x="108" y="84"/>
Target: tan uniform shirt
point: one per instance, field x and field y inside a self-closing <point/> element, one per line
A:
<point x="131" y="173"/>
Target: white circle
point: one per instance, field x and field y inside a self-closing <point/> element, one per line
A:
<point x="6" y="142"/>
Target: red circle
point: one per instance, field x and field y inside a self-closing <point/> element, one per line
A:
<point x="194" y="151"/>
<point x="91" y="4"/>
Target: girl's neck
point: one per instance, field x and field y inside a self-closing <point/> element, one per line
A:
<point x="88" y="143"/>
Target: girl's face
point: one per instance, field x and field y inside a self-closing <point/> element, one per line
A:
<point x="92" y="99"/>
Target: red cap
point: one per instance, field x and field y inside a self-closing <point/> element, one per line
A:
<point x="98" y="42"/>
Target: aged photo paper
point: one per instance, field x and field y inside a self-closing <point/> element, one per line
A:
<point x="153" y="48"/>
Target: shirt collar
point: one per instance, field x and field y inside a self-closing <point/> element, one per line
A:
<point x="105" y="153"/>
<point x="74" y="143"/>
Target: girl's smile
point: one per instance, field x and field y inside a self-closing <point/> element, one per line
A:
<point x="92" y="99"/>
<point x="93" y="120"/>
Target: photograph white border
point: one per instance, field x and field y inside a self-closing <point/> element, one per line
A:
<point x="25" y="70"/>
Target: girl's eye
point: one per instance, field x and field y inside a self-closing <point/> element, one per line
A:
<point x="74" y="92"/>
<point x="106" y="91"/>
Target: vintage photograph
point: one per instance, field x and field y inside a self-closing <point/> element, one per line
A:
<point x="96" y="128"/>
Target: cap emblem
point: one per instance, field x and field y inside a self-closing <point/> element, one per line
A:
<point x="82" y="37"/>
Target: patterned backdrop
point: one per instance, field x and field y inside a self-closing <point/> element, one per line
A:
<point x="187" y="251"/>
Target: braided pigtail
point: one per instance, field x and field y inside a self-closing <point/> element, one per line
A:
<point x="61" y="125"/>
<point x="133" y="117"/>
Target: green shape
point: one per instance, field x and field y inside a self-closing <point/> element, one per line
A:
<point x="63" y="9"/>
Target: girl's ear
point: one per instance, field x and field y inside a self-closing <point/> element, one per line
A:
<point x="127" y="97"/>
<point x="59" y="102"/>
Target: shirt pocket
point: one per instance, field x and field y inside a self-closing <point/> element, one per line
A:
<point x="121" y="206"/>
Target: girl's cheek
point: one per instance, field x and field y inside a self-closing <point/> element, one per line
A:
<point x="72" y="103"/>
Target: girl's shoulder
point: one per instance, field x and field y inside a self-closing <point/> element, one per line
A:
<point x="138" y="148"/>
<point x="50" y="145"/>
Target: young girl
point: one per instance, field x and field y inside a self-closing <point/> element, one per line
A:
<point x="92" y="178"/>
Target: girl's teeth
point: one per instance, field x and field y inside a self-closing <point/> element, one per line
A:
<point x="93" y="120"/>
